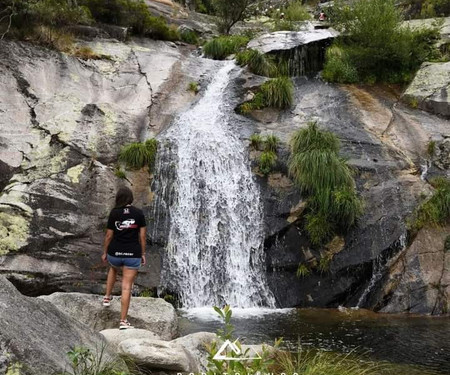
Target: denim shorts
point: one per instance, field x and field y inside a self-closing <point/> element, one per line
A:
<point x="131" y="263"/>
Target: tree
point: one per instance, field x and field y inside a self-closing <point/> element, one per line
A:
<point x="229" y="12"/>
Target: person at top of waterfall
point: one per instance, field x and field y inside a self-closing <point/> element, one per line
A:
<point x="124" y="248"/>
<point x="322" y="16"/>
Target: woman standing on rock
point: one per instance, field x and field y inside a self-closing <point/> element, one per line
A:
<point x="124" y="248"/>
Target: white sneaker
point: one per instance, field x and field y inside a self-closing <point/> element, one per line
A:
<point x="107" y="301"/>
<point x="125" y="324"/>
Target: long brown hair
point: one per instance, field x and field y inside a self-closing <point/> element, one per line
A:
<point x="123" y="197"/>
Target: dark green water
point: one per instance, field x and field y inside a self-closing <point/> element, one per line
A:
<point x="417" y="344"/>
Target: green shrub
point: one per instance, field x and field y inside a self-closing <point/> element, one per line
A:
<point x="193" y="86"/>
<point x="131" y="13"/>
<point x="86" y="362"/>
<point x="271" y="143"/>
<point x="221" y="47"/>
<point x="139" y="155"/>
<point x="257" y="62"/>
<point x="376" y="45"/>
<point x="189" y="36"/>
<point x="267" y="162"/>
<point x="313" y="362"/>
<point x="338" y="67"/>
<point x="326" y="179"/>
<point x="435" y="211"/>
<point x="295" y="11"/>
<point x="303" y="270"/>
<point x="320" y="229"/>
<point x="278" y="92"/>
<point x="256" y="140"/>
<point x="284" y="25"/>
<point x="57" y="13"/>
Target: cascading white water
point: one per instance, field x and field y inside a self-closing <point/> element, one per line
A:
<point x="214" y="253"/>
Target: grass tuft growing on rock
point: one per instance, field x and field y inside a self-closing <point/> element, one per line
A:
<point x="435" y="211"/>
<point x="278" y="92"/>
<point x="326" y="179"/>
<point x="267" y="162"/>
<point x="221" y="47"/>
<point x="256" y="140"/>
<point x="258" y="63"/>
<point x="271" y="143"/>
<point x="138" y="155"/>
<point x="312" y="362"/>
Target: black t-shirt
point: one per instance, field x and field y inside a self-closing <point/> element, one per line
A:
<point x="125" y="222"/>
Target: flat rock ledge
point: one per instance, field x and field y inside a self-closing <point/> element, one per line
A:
<point x="152" y="314"/>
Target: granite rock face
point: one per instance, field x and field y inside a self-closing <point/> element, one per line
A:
<point x="430" y="89"/>
<point x="419" y="279"/>
<point x="38" y="335"/>
<point x="63" y="123"/>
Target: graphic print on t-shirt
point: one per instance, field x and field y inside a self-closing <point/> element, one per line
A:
<point x="126" y="224"/>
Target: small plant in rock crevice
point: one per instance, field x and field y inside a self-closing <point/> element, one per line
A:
<point x="256" y="140"/>
<point x="193" y="87"/>
<point x="267" y="161"/>
<point x="276" y="93"/>
<point x="303" y="270"/>
<point x="435" y="211"/>
<point x="138" y="155"/>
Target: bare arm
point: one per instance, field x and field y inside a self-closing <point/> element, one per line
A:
<point x="108" y="238"/>
<point x="143" y="242"/>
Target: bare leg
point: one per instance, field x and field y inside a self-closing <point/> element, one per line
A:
<point x="127" y="284"/>
<point x="112" y="274"/>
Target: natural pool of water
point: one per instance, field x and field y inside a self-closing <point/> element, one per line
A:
<point x="417" y="344"/>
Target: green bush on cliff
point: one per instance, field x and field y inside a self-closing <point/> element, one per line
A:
<point x="325" y="178"/>
<point x="221" y="47"/>
<point x="435" y="211"/>
<point x="258" y="63"/>
<point x="278" y="92"/>
<point x="275" y="93"/>
<point x="58" y="14"/>
<point x="375" y="46"/>
<point x="131" y="13"/>
<point x="138" y="155"/>
<point x="267" y="162"/>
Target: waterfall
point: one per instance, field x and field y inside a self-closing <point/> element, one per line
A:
<point x="214" y="254"/>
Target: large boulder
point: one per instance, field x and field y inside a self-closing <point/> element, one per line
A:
<point x="38" y="335"/>
<point x="153" y="314"/>
<point x="197" y="343"/>
<point x="430" y="89"/>
<point x="419" y="280"/>
<point x="157" y="354"/>
<point x="115" y="336"/>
